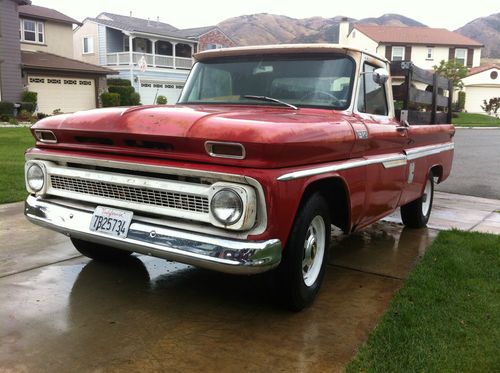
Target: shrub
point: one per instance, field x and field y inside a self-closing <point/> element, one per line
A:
<point x="13" y="121"/>
<point x="461" y="100"/>
<point x="135" y="99"/>
<point x="110" y="99"/>
<point x="492" y="106"/>
<point x="56" y="112"/>
<point x="6" y="108"/>
<point x="119" y="82"/>
<point x="124" y="92"/>
<point x="24" y="116"/>
<point x="28" y="106"/>
<point x="4" y="117"/>
<point x="41" y="115"/>
<point x="161" y="100"/>
<point x="29" y="96"/>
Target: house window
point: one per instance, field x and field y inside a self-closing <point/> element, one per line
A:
<point x="430" y="53"/>
<point x="88" y="44"/>
<point x="398" y="53"/>
<point x="31" y="31"/>
<point x="214" y="46"/>
<point x="461" y="55"/>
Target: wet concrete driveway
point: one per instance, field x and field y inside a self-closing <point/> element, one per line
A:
<point x="64" y="313"/>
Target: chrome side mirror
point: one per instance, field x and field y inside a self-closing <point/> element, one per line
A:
<point x="380" y="76"/>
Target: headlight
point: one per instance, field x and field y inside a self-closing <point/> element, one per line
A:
<point x="226" y="206"/>
<point x="35" y="177"/>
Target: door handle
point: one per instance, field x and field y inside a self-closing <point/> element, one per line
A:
<point x="401" y="128"/>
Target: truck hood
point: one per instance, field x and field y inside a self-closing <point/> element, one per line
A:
<point x="272" y="137"/>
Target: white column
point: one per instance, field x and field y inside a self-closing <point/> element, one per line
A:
<point x="153" y="49"/>
<point x="131" y="57"/>
<point x="173" y="53"/>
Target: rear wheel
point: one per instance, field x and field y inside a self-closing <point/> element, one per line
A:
<point x="302" y="269"/>
<point x="416" y="213"/>
<point x="99" y="252"/>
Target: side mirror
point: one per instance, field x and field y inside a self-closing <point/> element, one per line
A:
<point x="380" y="76"/>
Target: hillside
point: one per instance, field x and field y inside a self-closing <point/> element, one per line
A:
<point x="487" y="31"/>
<point x="266" y="28"/>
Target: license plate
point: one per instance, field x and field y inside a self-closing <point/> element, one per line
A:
<point x="111" y="221"/>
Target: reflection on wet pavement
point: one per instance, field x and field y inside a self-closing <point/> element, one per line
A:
<point x="148" y="314"/>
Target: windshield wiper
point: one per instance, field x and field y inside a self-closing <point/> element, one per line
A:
<point x="270" y="99"/>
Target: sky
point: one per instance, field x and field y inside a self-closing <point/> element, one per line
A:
<point x="449" y="14"/>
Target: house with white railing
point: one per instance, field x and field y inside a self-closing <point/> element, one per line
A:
<point x="155" y="56"/>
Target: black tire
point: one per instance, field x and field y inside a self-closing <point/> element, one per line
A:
<point x="413" y="214"/>
<point x="292" y="285"/>
<point x="99" y="252"/>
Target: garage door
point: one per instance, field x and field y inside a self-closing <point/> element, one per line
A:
<point x="63" y="93"/>
<point x="151" y="89"/>
<point x="475" y="95"/>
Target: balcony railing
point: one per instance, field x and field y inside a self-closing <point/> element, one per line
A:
<point x="152" y="60"/>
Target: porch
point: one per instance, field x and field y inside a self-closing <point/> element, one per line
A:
<point x="125" y="50"/>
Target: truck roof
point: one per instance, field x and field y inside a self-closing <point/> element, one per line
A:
<point x="281" y="49"/>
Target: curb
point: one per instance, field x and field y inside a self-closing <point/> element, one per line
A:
<point x="477" y="128"/>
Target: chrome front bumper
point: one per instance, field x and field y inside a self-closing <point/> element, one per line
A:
<point x="218" y="254"/>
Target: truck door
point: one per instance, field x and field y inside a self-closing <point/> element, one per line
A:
<point x="384" y="137"/>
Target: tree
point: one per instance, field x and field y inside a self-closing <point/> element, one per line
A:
<point x="453" y="70"/>
<point x="491" y="106"/>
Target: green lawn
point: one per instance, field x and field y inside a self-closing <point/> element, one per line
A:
<point x="446" y="318"/>
<point x="475" y="120"/>
<point x="13" y="143"/>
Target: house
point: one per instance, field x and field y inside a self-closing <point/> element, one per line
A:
<point x="155" y="56"/>
<point x="424" y="46"/>
<point x="11" y="83"/>
<point x="427" y="47"/>
<point x="48" y="67"/>
<point x="482" y="83"/>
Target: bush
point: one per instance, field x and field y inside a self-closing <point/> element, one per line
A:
<point x="28" y="96"/>
<point x="24" y="116"/>
<point x="119" y="82"/>
<point x="461" y="100"/>
<point x="110" y="99"/>
<point x="56" y="112"/>
<point x="4" y="117"/>
<point x="13" y="121"/>
<point x="124" y="92"/>
<point x="41" y="115"/>
<point x="6" y="108"/>
<point x="161" y="100"/>
<point x="135" y="99"/>
<point x="28" y="106"/>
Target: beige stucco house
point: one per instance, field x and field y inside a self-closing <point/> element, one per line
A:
<point x="481" y="84"/>
<point x="48" y="67"/>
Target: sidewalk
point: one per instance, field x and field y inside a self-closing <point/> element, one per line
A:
<point x="466" y="213"/>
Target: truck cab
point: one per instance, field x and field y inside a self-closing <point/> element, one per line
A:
<point x="267" y="148"/>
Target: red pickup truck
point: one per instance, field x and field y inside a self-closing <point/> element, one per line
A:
<point x="266" y="148"/>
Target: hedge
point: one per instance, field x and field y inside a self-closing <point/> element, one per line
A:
<point x="6" y="108"/>
<point x="161" y="100"/>
<point x="29" y="96"/>
<point x="461" y="100"/>
<point x="28" y="106"/>
<point x="119" y="82"/>
<point x="110" y="99"/>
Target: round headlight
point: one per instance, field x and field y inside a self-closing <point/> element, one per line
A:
<point x="226" y="206"/>
<point x="35" y="177"/>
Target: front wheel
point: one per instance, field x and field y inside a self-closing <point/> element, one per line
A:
<point x="99" y="252"/>
<point x="416" y="214"/>
<point x="302" y="269"/>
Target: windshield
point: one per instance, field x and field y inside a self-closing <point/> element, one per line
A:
<point x="311" y="81"/>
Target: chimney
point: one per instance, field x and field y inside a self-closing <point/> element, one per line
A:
<point x="149" y="23"/>
<point x="130" y="14"/>
<point x="157" y="21"/>
<point x="343" y="30"/>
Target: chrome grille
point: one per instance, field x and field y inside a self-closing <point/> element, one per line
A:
<point x="174" y="200"/>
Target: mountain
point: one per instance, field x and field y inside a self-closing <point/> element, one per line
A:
<point x="486" y="30"/>
<point x="266" y="28"/>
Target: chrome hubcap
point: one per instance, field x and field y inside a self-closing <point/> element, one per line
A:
<point x="314" y="248"/>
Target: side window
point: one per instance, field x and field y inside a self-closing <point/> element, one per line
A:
<point x="372" y="98"/>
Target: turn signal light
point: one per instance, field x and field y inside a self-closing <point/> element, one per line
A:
<point x="46" y="136"/>
<point x="231" y="150"/>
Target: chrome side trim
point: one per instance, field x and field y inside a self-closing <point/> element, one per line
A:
<point x="424" y="151"/>
<point x="343" y="165"/>
<point x="215" y="253"/>
<point x="387" y="160"/>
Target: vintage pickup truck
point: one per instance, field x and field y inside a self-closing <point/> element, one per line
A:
<point x="266" y="148"/>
